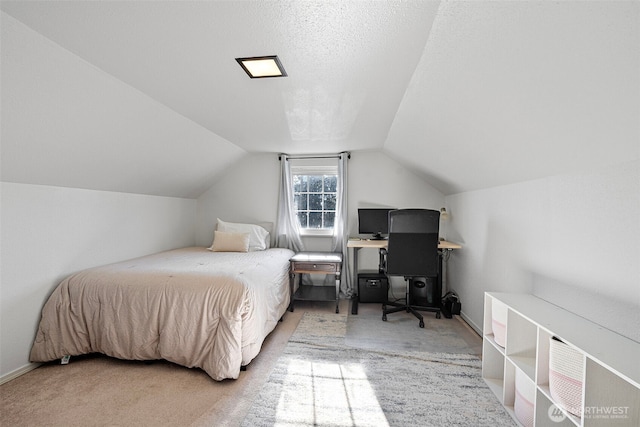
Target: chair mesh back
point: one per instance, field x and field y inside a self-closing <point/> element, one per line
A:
<point x="412" y="254"/>
<point x="413" y="242"/>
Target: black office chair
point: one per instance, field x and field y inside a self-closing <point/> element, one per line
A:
<point x="412" y="252"/>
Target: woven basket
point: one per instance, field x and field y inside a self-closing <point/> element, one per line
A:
<point x="525" y="396"/>
<point x="499" y="322"/>
<point x="566" y="371"/>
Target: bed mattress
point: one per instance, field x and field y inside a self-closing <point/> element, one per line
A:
<point x="190" y="306"/>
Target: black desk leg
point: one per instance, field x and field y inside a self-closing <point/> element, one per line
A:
<point x="355" y="298"/>
<point x="354" y="303"/>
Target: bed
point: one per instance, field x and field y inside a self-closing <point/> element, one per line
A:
<point x="193" y="306"/>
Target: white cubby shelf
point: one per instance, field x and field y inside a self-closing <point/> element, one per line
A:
<point x="611" y="377"/>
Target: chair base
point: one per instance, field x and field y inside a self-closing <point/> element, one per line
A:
<point x="413" y="309"/>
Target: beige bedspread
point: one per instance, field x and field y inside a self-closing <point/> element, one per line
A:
<point x="190" y="306"/>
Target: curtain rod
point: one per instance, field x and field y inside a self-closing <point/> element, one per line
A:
<point x="302" y="156"/>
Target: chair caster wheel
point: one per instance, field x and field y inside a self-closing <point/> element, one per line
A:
<point x="421" y="324"/>
<point x="384" y="317"/>
<point x="437" y="315"/>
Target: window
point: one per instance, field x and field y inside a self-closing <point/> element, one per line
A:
<point x="315" y="196"/>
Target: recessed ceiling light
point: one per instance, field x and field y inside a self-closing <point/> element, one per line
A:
<point x="262" y="66"/>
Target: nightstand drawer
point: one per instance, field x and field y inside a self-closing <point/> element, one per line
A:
<point x="299" y="267"/>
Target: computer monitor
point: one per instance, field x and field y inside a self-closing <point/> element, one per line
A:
<point x="374" y="221"/>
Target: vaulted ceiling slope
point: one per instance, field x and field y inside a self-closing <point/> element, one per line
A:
<point x="509" y="91"/>
<point x="145" y="96"/>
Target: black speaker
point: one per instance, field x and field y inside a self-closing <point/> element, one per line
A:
<point x="424" y="291"/>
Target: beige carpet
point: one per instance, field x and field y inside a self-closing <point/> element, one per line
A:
<point x="101" y="391"/>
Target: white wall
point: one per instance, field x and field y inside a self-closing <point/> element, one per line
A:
<point x="573" y="240"/>
<point x="249" y="193"/>
<point x="48" y="233"/>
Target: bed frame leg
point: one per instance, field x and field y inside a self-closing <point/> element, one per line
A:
<point x="243" y="368"/>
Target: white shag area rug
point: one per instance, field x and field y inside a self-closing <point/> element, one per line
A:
<point x="320" y="381"/>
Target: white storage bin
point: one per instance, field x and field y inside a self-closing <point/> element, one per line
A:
<point x="566" y="372"/>
<point x="499" y="322"/>
<point x="523" y="405"/>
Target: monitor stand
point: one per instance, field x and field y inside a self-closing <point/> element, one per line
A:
<point x="378" y="236"/>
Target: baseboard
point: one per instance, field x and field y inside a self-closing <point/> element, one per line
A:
<point x="471" y="323"/>
<point x="18" y="372"/>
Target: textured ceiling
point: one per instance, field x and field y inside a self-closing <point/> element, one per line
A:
<point x="348" y="62"/>
<point x="468" y="94"/>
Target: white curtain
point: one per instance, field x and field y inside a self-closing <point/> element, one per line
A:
<point x="340" y="228"/>
<point x="287" y="226"/>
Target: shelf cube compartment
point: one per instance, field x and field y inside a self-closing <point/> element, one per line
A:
<point x="522" y="339"/>
<point x="493" y="369"/>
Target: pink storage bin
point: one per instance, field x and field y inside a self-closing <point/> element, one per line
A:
<point x="566" y="371"/>
<point x="523" y="405"/>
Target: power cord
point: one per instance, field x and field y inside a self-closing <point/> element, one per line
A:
<point x="393" y="296"/>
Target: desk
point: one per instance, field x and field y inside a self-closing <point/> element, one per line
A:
<point x="315" y="263"/>
<point x="358" y="244"/>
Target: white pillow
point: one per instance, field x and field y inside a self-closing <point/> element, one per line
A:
<point x="230" y="242"/>
<point x="258" y="237"/>
<point x="269" y="227"/>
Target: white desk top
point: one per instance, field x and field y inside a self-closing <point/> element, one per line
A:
<point x="366" y="243"/>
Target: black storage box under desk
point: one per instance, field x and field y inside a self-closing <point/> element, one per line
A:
<point x="372" y="287"/>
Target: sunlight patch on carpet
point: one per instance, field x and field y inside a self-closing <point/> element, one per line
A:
<point x="321" y="393"/>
